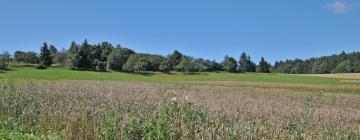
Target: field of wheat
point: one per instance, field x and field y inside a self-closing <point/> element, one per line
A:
<point x="141" y="110"/>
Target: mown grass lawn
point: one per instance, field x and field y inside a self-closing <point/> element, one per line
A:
<point x="65" y="74"/>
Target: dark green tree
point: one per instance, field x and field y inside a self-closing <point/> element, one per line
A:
<point x="175" y="59"/>
<point x="243" y="62"/>
<point x="251" y="66"/>
<point x="45" y="55"/>
<point x="53" y="52"/>
<point x="87" y="59"/>
<point x="337" y="63"/>
<point x="264" y="66"/>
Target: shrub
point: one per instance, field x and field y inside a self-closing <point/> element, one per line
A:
<point x="40" y="66"/>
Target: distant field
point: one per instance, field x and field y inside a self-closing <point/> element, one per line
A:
<point x="337" y="75"/>
<point x="284" y="81"/>
<point x="64" y="74"/>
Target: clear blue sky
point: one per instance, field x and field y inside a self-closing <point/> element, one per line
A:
<point x="276" y="29"/>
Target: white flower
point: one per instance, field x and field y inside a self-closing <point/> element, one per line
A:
<point x="173" y="99"/>
<point x="187" y="99"/>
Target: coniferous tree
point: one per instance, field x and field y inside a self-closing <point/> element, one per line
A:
<point x="86" y="61"/>
<point x="251" y="66"/>
<point x="243" y="62"/>
<point x="337" y="63"/>
<point x="264" y="66"/>
<point x="45" y="55"/>
<point x="53" y="52"/>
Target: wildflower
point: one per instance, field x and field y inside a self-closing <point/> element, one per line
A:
<point x="187" y="99"/>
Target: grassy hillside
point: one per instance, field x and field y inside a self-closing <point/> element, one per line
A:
<point x="64" y="74"/>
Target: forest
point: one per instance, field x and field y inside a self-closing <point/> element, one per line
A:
<point x="337" y="63"/>
<point x="105" y="57"/>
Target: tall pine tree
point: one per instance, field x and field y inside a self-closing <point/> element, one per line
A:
<point x="243" y="62"/>
<point x="251" y="66"/>
<point x="264" y="66"/>
<point x="45" y="55"/>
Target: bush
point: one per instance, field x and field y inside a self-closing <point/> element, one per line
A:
<point x="41" y="67"/>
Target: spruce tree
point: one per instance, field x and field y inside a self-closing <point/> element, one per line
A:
<point x="243" y="62"/>
<point x="251" y="66"/>
<point x="45" y="55"/>
<point x="264" y="66"/>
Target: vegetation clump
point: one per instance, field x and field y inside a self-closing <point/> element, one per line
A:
<point x="124" y="110"/>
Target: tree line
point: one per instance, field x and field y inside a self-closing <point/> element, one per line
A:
<point x="337" y="63"/>
<point x="104" y="57"/>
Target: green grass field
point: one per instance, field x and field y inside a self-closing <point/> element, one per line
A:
<point x="284" y="81"/>
<point x="64" y="74"/>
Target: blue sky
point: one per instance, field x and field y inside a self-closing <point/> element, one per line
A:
<point x="276" y="29"/>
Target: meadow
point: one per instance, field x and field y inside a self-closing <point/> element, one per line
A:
<point x="63" y="104"/>
<point x="64" y="74"/>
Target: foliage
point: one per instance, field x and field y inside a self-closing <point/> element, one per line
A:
<point x="40" y="66"/>
<point x="229" y="64"/>
<point x="264" y="66"/>
<point x="89" y="57"/>
<point x="60" y="57"/>
<point x="26" y="57"/>
<point x="245" y="63"/>
<point x="53" y="52"/>
<point x="45" y="55"/>
<point x="165" y="66"/>
<point x="73" y="56"/>
<point x="175" y="59"/>
<point x="136" y="63"/>
<point x="164" y="125"/>
<point x="337" y="63"/>
<point x="4" y="60"/>
<point x="118" y="57"/>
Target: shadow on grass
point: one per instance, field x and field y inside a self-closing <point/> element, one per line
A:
<point x="142" y="73"/>
<point x="168" y="73"/>
<point x="87" y="70"/>
<point x="195" y="73"/>
<point x="8" y="69"/>
<point x="23" y="66"/>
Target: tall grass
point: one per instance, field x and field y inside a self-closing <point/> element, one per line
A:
<point x="138" y="110"/>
